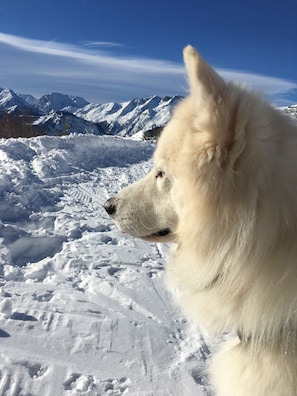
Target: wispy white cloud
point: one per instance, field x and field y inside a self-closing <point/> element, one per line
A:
<point x="96" y="44"/>
<point x="39" y="67"/>
<point x="267" y="84"/>
<point x="275" y="89"/>
<point x="80" y="54"/>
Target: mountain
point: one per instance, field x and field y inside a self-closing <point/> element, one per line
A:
<point x="57" y="101"/>
<point x="122" y="119"/>
<point x="12" y="103"/>
<point x="25" y="116"/>
<point x="129" y="118"/>
<point x="59" y="114"/>
<point x="63" y="123"/>
<point x="28" y="98"/>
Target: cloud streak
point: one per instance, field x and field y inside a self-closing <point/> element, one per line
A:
<point x="94" y="44"/>
<point x="79" y="54"/>
<point x="39" y="67"/>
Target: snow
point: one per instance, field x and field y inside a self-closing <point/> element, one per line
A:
<point x="83" y="308"/>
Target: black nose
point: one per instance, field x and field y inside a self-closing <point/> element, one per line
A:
<point x="110" y="206"/>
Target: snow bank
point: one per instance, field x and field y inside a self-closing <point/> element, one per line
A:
<point x="83" y="308"/>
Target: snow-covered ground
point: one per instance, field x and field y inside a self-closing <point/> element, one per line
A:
<point x="83" y="308"/>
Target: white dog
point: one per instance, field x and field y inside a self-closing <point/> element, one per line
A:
<point x="224" y="189"/>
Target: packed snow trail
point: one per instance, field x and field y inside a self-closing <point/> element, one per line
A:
<point x="83" y="308"/>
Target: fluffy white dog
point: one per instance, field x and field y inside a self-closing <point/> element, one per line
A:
<point x="224" y="189"/>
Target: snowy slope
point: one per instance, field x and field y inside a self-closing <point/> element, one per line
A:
<point x="83" y="308"/>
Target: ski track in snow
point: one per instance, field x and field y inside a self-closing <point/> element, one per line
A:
<point x="83" y="308"/>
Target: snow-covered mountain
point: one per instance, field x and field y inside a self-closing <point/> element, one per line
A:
<point x="129" y="118"/>
<point x="12" y="103"/>
<point x="57" y="101"/>
<point x="28" y="98"/>
<point x="59" y="114"/>
<point x="63" y="123"/>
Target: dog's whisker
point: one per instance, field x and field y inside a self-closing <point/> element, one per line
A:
<point x="145" y="226"/>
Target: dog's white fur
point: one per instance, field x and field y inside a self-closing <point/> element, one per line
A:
<point x="224" y="182"/>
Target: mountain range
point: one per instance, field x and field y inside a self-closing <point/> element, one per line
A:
<point x="60" y="114"/>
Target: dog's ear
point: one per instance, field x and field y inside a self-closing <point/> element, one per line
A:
<point x="209" y="97"/>
<point x="203" y="80"/>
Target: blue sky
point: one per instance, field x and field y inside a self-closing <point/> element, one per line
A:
<point x="115" y="50"/>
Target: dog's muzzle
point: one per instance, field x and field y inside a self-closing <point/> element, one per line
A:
<point x="163" y="235"/>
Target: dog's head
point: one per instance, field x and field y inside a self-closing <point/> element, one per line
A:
<point x="191" y="156"/>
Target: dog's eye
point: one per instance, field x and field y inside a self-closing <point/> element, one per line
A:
<point x="160" y="174"/>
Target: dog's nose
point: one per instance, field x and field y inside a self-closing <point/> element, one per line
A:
<point x="110" y="206"/>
